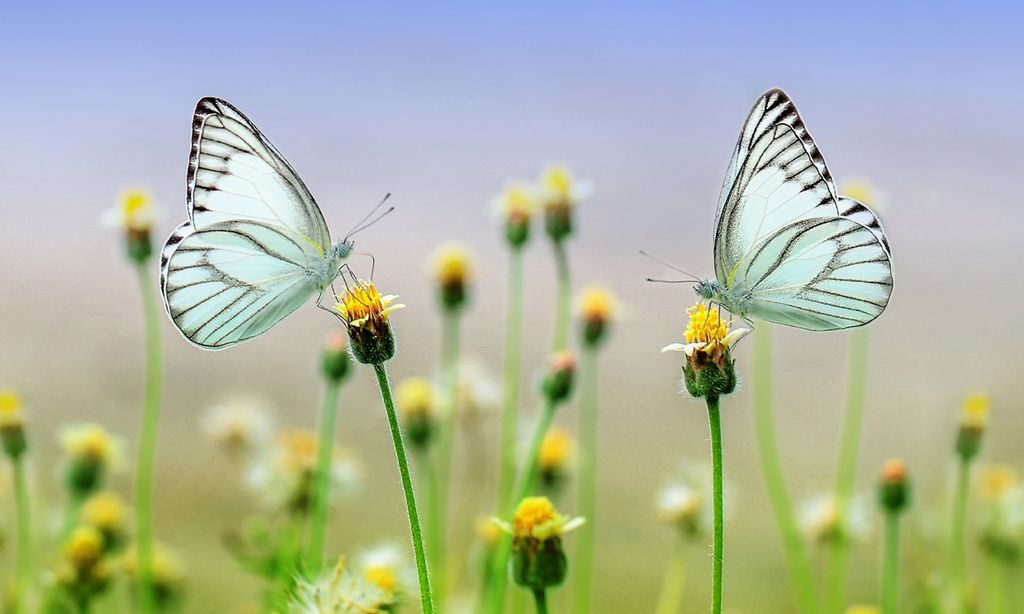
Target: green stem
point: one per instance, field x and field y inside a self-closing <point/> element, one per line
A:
<point x="958" y="539"/>
<point x="891" y="564"/>
<point x="715" y="424"/>
<point x="72" y="514"/>
<point x="527" y="479"/>
<point x="540" y="596"/>
<point x="796" y="554"/>
<point x="846" y="473"/>
<point x="21" y="502"/>
<point x="675" y="581"/>
<point x="286" y="560"/>
<point x="322" y="494"/>
<point x="433" y="502"/>
<point x="510" y="401"/>
<point x="995" y="572"/>
<point x="426" y="594"/>
<point x="147" y="444"/>
<point x="561" y="337"/>
<point x="446" y="445"/>
<point x="584" y="560"/>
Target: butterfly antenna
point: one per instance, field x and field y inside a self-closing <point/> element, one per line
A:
<point x="671" y="281"/>
<point x="667" y="264"/>
<point x="363" y="224"/>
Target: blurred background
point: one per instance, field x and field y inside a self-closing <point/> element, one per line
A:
<point x="440" y="104"/>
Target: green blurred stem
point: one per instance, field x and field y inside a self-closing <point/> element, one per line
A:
<point x="846" y="472"/>
<point x="72" y="513"/>
<point x="891" y="564"/>
<point x="775" y="483"/>
<point x="715" y="424"/>
<point x="587" y="505"/>
<point x="996" y="571"/>
<point x="286" y="560"/>
<point x="446" y="444"/>
<point x="426" y="594"/>
<point x="322" y="494"/>
<point x="560" y="340"/>
<point x="21" y="503"/>
<point x="958" y="539"/>
<point x="510" y="400"/>
<point x="147" y="443"/>
<point x="540" y="596"/>
<point x="527" y="479"/>
<point x="675" y="581"/>
<point x="433" y="501"/>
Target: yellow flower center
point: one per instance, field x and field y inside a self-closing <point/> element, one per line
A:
<point x="382" y="576"/>
<point x="997" y="481"/>
<point x="362" y="304"/>
<point x="975" y="413"/>
<point x="705" y="325"/>
<point x="299" y="450"/>
<point x="451" y="264"/>
<point x="10" y="408"/>
<point x="137" y="210"/>
<point x="558" y="180"/>
<point x="596" y="304"/>
<point x="517" y="203"/>
<point x="104" y="511"/>
<point x="89" y="441"/>
<point x="84" y="547"/>
<point x="488" y="530"/>
<point x="534" y="512"/>
<point x="415" y="397"/>
<point x="555" y="449"/>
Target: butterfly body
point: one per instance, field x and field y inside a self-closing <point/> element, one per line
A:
<point x="788" y="248"/>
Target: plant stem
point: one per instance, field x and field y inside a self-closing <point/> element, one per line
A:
<point x="584" y="560"/>
<point x="715" y="424"/>
<point x="147" y="444"/>
<point x="541" y="597"/>
<point x="958" y="539"/>
<point x="560" y="340"/>
<point x="21" y="502"/>
<point x="322" y="494"/>
<point x="446" y="444"/>
<point x="426" y="594"/>
<point x="995" y="572"/>
<point x="510" y="401"/>
<point x="846" y="472"/>
<point x="675" y="581"/>
<point x="891" y="564"/>
<point x="499" y="575"/>
<point x="796" y="555"/>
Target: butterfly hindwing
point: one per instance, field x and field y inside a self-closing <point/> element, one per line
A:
<point x="235" y="173"/>
<point x="233" y="280"/>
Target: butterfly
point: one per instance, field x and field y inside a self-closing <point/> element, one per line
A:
<point x="255" y="247"/>
<point x="788" y="248"/>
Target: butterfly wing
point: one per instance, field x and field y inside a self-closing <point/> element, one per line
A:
<point x="235" y="173"/>
<point x="232" y="280"/>
<point x="858" y="212"/>
<point x="777" y="176"/>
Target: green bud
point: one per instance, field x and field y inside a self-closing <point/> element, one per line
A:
<point x="336" y="363"/>
<point x="84" y="475"/>
<point x="968" y="441"/>
<point x="710" y="373"/>
<point x="12" y="436"/>
<point x="894" y="486"/>
<point x="558" y="382"/>
<point x="138" y="246"/>
<point x="517" y="231"/>
<point x="538" y="564"/>
<point x="372" y="346"/>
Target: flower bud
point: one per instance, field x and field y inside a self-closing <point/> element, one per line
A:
<point x="12" y="425"/>
<point x="415" y="400"/>
<point x="973" y="421"/>
<point x="596" y="308"/>
<point x="336" y="363"/>
<point x="452" y="270"/>
<point x="91" y="452"/>
<point x="134" y="216"/>
<point x="365" y="313"/>
<point x="559" y="195"/>
<point x="515" y="207"/>
<point x="558" y="381"/>
<point x="554" y="456"/>
<point x="538" y="560"/>
<point x="106" y="512"/>
<point x="894" y="486"/>
<point x="709" y="370"/>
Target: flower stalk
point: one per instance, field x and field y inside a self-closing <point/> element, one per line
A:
<point x="675" y="581"/>
<point x="322" y="493"/>
<point x="512" y="364"/>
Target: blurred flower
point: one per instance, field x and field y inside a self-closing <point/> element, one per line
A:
<point x="107" y="512"/>
<point x="1002" y="532"/>
<point x="238" y="425"/>
<point x="12" y="425"/>
<point x="453" y="271"/>
<point x="538" y="561"/>
<point x="365" y="313"/>
<point x="339" y="592"/>
<point x="561" y="374"/>
<point x="134" y="216"/>
<point x="82" y="572"/>
<point x="285" y="474"/>
<point x="866" y="193"/>
<point x="478" y="392"/>
<point x="335" y="364"/>
<point x="516" y="206"/>
<point x="819" y="517"/>
<point x="92" y="452"/>
<point x="168" y="573"/>
<point x="894" y="486"/>
<point x="709" y="368"/>
<point x="415" y="398"/>
<point x="973" y="420"/>
<point x="596" y="311"/>
<point x="489" y="531"/>
<point x="685" y="502"/>
<point x="555" y="455"/>
<point x="559" y="194"/>
<point x="388" y="568"/>
<point x="996" y="481"/>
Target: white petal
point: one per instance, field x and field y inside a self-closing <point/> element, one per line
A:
<point x="673" y="347"/>
<point x="735" y="336"/>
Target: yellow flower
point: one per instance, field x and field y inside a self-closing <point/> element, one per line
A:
<point x="516" y="204"/>
<point x="559" y="194"/>
<point x="10" y="409"/>
<point x="90" y="442"/>
<point x="365" y="313"/>
<point x="975" y="411"/>
<point x="105" y="511"/>
<point x="679" y="505"/>
<point x="489" y="531"/>
<point x="339" y="592"/>
<point x="134" y="213"/>
<point x="555" y="450"/>
<point x="387" y="568"/>
<point x="596" y="309"/>
<point x="415" y="398"/>
<point x="996" y="481"/>
<point x="84" y="547"/>
<point x="537" y="518"/>
<point x="451" y="264"/>
<point x="709" y="370"/>
<point x="819" y="518"/>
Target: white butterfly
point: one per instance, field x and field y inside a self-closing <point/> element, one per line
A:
<point x="255" y="247"/>
<point x="788" y="248"/>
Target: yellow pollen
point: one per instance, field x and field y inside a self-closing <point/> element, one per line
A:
<point x="363" y="304"/>
<point x="382" y="576"/>
<point x="705" y="325"/>
<point x="533" y="512"/>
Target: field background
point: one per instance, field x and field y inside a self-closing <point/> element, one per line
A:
<point x="440" y="106"/>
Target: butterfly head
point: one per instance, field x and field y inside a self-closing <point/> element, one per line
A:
<point x="343" y="248"/>
<point x="707" y="289"/>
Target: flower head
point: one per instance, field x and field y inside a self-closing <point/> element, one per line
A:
<point x="516" y="206"/>
<point x="819" y="517"/>
<point x="82" y="571"/>
<point x="415" y="399"/>
<point x="339" y="592"/>
<point x="453" y="272"/>
<point x="286" y="474"/>
<point x="107" y="513"/>
<point x="134" y="215"/>
<point x="559" y="194"/>
<point x="538" y="559"/>
<point x="92" y="451"/>
<point x="335" y="362"/>
<point x="238" y="425"/>
<point x="1002" y="532"/>
<point x="973" y="420"/>
<point x="489" y="530"/>
<point x="168" y="573"/>
<point x="478" y="392"/>
<point x="596" y="309"/>
<point x="388" y="568"/>
<point x="555" y="455"/>
<point x="894" y="486"/>
<point x="709" y="368"/>
<point x="561" y="374"/>
<point x="365" y="313"/>
<point x="12" y="425"/>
